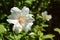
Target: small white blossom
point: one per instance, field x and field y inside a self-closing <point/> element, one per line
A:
<point x="45" y="16"/>
<point x="21" y="19"/>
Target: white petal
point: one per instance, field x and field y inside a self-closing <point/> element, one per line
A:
<point x="29" y="15"/>
<point x="48" y="17"/>
<point x="29" y="18"/>
<point x="13" y="16"/>
<point x="28" y="27"/>
<point x="15" y="9"/>
<point x="45" y="16"/>
<point x="25" y="10"/>
<point x="12" y="21"/>
<point x="15" y="13"/>
<point x="17" y="28"/>
<point x="44" y="13"/>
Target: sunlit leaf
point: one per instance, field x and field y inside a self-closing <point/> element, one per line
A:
<point x="57" y="30"/>
<point x="2" y="29"/>
<point x="48" y="36"/>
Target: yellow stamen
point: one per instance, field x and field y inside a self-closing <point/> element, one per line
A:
<point x="21" y="20"/>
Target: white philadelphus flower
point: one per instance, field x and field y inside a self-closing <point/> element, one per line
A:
<point x="45" y="16"/>
<point x="21" y="19"/>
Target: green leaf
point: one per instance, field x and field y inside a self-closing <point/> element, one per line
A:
<point x="44" y="25"/>
<point x="40" y="39"/>
<point x="2" y="29"/>
<point x="0" y="4"/>
<point x="28" y="1"/>
<point x="0" y="38"/>
<point x="40" y="33"/>
<point x="17" y="37"/>
<point x="36" y="28"/>
<point x="57" y="30"/>
<point x="2" y="16"/>
<point x="48" y="36"/>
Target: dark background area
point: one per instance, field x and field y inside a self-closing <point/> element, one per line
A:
<point x="55" y="22"/>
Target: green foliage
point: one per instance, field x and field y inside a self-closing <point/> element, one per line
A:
<point x="3" y="16"/>
<point x="36" y="7"/>
<point x="28" y="1"/>
<point x="0" y="38"/>
<point x="2" y="29"/>
<point x="48" y="36"/>
<point x="57" y="30"/>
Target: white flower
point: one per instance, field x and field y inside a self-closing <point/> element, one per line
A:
<point x="45" y="16"/>
<point x="21" y="19"/>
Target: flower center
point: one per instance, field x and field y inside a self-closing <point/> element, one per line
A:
<point x="21" y="20"/>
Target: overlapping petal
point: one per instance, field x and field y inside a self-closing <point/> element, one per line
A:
<point x="25" y="10"/>
<point x="12" y="21"/>
<point x="17" y="28"/>
<point x="48" y="17"/>
<point x="28" y="27"/>
<point x="15" y="10"/>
